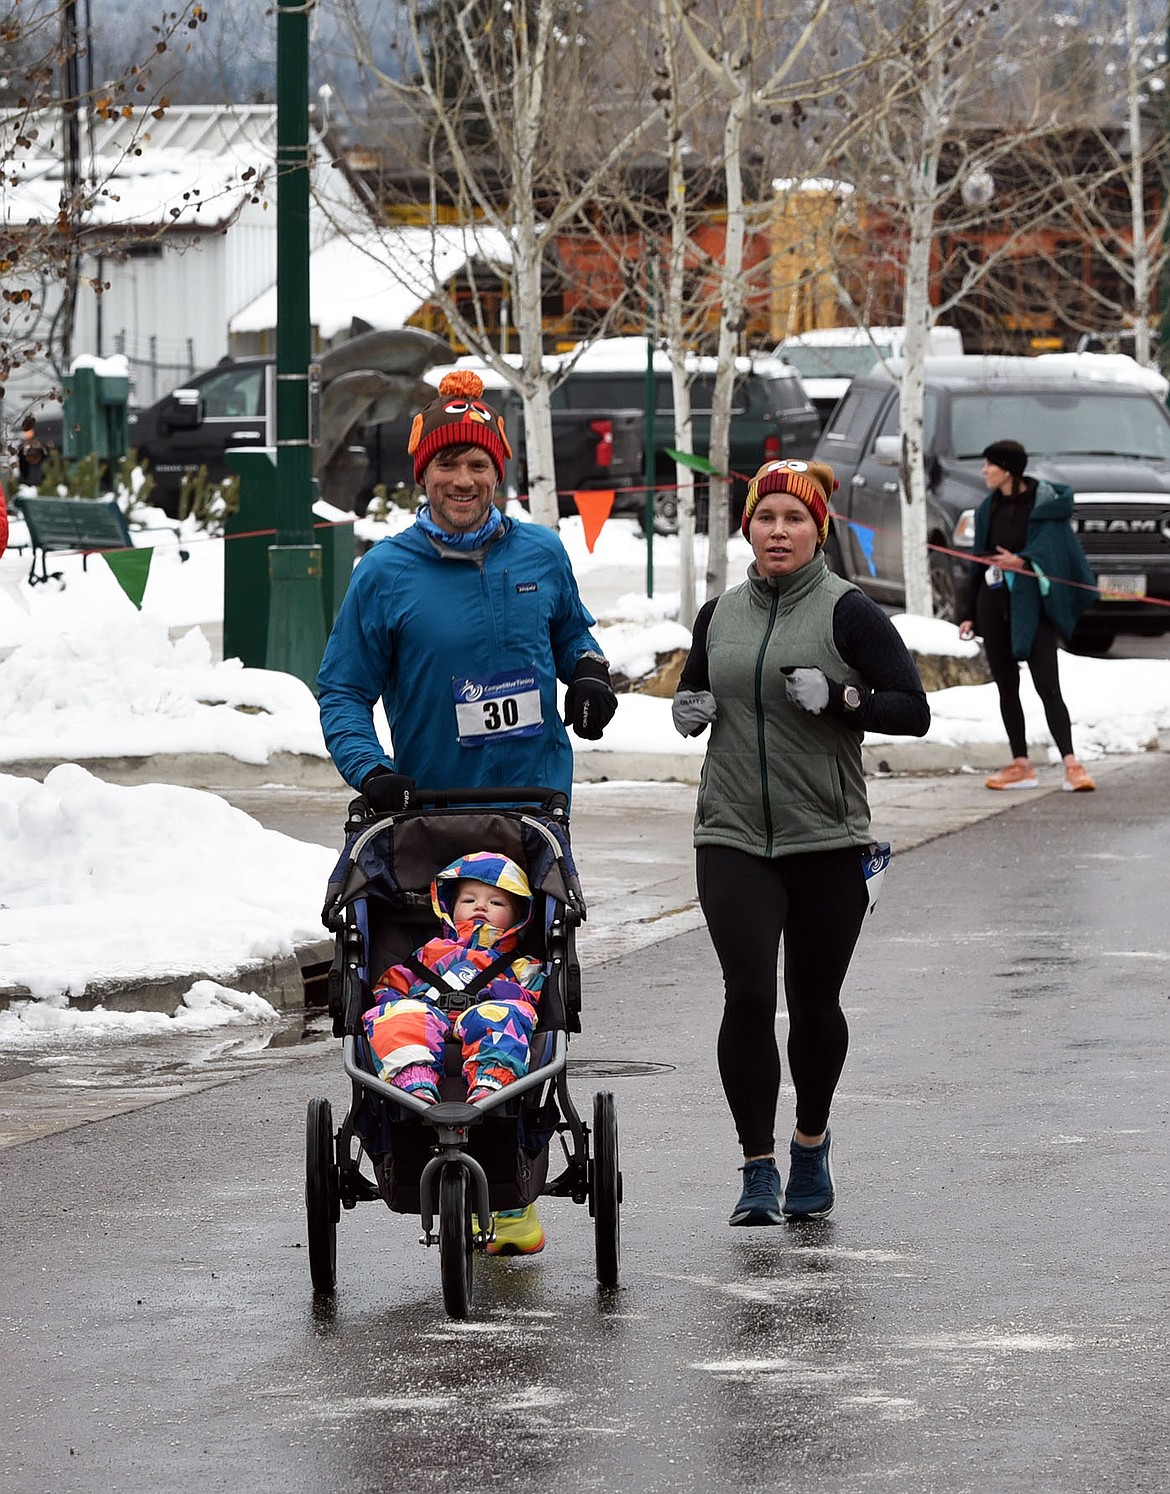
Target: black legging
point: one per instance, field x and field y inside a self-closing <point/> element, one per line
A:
<point x="817" y="900"/>
<point x="993" y="622"/>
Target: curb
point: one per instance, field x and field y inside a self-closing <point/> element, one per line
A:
<point x="200" y="770"/>
<point x="596" y="765"/>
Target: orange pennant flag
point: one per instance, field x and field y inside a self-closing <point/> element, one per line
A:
<point x="595" y="506"/>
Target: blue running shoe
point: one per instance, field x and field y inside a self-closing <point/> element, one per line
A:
<point x="810" y="1193"/>
<point x="759" y="1203"/>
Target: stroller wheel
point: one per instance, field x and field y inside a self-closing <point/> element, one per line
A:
<point x="455" y="1249"/>
<point x="322" y="1196"/>
<point x="605" y="1189"/>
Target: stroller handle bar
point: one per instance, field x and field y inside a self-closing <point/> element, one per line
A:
<point x="553" y="801"/>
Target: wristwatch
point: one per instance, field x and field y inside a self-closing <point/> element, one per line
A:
<point x="851" y="696"/>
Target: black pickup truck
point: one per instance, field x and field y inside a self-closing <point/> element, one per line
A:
<point x="227" y="406"/>
<point x="1099" y="424"/>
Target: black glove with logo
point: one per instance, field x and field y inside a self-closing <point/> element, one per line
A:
<point x="589" y="700"/>
<point x="386" y="791"/>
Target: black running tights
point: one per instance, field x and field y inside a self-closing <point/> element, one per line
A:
<point x="817" y="900"/>
<point x="994" y="622"/>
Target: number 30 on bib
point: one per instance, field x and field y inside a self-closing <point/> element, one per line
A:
<point x="497" y="706"/>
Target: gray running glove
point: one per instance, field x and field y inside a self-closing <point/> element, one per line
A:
<point x="807" y="688"/>
<point x="692" y="710"/>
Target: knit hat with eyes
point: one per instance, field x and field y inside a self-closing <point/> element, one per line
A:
<point x="458" y="417"/>
<point x="812" y="482"/>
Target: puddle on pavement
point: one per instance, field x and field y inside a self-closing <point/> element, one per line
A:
<point x="119" y="1060"/>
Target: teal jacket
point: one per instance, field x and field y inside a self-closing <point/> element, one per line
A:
<point x="1068" y="585"/>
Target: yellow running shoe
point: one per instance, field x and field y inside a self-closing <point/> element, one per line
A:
<point x="518" y="1232"/>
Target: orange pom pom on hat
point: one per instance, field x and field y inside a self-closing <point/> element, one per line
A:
<point x="458" y="417"/>
<point x="812" y="482"/>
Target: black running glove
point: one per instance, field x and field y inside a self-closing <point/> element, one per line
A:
<point x="589" y="700"/>
<point x="386" y="791"/>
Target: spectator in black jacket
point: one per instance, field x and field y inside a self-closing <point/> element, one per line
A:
<point x="30" y="454"/>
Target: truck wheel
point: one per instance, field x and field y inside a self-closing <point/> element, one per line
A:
<point x="944" y="590"/>
<point x="665" y="513"/>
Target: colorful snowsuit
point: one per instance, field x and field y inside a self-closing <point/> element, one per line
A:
<point x="409" y="1026"/>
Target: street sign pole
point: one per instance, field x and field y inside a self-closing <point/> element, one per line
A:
<point x="296" y="618"/>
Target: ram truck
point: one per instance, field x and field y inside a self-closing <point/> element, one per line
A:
<point x="1096" y="422"/>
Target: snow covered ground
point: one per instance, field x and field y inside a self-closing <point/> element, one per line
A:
<point x="102" y="881"/>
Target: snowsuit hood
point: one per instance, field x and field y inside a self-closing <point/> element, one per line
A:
<point x="495" y="871"/>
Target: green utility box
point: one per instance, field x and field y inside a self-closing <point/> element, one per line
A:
<point x="248" y="536"/>
<point x="96" y="415"/>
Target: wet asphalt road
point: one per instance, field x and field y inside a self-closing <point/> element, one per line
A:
<point x="989" y="1308"/>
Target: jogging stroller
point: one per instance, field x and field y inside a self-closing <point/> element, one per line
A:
<point x="462" y="1161"/>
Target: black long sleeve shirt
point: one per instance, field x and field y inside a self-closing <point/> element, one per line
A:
<point x="893" y="701"/>
<point x="1007" y="529"/>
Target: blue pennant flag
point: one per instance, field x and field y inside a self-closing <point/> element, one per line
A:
<point x="865" y="536"/>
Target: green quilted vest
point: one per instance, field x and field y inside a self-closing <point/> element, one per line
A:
<point x="777" y="780"/>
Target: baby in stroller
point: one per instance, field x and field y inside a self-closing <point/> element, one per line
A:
<point x="471" y="1172"/>
<point x="470" y="983"/>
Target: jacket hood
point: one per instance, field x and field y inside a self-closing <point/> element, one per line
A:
<point x="496" y="871"/>
<point x="1054" y="500"/>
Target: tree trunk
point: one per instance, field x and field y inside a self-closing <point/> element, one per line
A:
<point x="676" y="205"/>
<point x="915" y="556"/>
<point x="1137" y="195"/>
<point x="542" y="476"/>
<point x="921" y="197"/>
<point x="730" y="325"/>
<point x="528" y="106"/>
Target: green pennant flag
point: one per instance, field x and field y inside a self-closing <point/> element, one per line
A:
<point x="695" y="463"/>
<point x="131" y="568"/>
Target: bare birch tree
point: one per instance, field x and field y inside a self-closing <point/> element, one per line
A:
<point x="754" y="71"/>
<point x="48" y="91"/>
<point x="1112" y="159"/>
<point x="674" y="319"/>
<point x="926" y="94"/>
<point x="532" y="167"/>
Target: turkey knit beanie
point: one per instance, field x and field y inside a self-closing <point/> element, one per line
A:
<point x="812" y="482"/>
<point x="1009" y="455"/>
<point x="460" y="416"/>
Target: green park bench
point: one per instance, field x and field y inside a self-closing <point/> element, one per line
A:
<point x="78" y="524"/>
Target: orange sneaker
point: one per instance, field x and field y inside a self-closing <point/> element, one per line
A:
<point x="1014" y="776"/>
<point x="1077" y="781"/>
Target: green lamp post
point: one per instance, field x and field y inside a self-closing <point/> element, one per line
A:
<point x="296" y="619"/>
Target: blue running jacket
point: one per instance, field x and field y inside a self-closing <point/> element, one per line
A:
<point x="465" y="654"/>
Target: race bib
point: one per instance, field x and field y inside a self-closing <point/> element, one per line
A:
<point x="874" y="860"/>
<point x="497" y="706"/>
